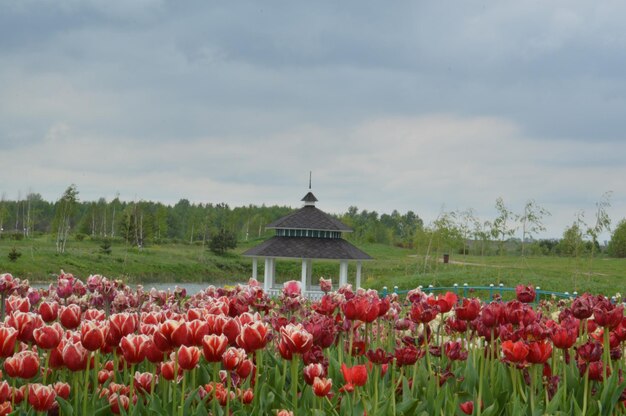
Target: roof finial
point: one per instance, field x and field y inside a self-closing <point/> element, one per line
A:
<point x="310" y="173"/>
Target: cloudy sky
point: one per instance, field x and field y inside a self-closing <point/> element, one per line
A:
<point x="423" y="106"/>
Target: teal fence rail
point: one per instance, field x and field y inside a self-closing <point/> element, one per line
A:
<point x="466" y="290"/>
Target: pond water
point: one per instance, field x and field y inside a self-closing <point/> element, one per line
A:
<point x="192" y="288"/>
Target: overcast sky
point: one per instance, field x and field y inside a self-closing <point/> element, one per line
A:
<point x="411" y="105"/>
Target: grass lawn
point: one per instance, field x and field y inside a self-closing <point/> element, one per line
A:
<point x="391" y="266"/>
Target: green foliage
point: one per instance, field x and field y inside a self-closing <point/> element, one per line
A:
<point x="105" y="246"/>
<point x="222" y="241"/>
<point x="14" y="255"/>
<point x="572" y="244"/>
<point x="617" y="245"/>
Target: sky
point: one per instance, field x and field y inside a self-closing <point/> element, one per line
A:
<point x="426" y="106"/>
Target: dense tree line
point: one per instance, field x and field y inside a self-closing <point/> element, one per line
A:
<point x="146" y="222"/>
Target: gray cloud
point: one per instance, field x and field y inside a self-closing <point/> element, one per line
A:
<point x="408" y="107"/>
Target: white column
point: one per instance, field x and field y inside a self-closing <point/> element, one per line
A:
<point x="273" y="275"/>
<point x="309" y="271"/>
<point x="303" y="276"/>
<point x="358" y="274"/>
<point x="343" y="272"/>
<point x="254" y="268"/>
<point x="267" y="274"/>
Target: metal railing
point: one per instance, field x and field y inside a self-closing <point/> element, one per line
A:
<point x="492" y="289"/>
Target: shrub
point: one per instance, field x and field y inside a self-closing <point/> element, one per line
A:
<point x="14" y="254"/>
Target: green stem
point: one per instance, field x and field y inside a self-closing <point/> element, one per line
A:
<point x="227" y="393"/>
<point x="132" y="387"/>
<point x="259" y="364"/>
<point x="584" y="411"/>
<point x="46" y="366"/>
<point x="182" y="395"/>
<point x="294" y="382"/>
<point x="214" y="378"/>
<point x="96" y="366"/>
<point x="85" y="388"/>
<point x="533" y="380"/>
<point x="174" y="387"/>
<point x="607" y="350"/>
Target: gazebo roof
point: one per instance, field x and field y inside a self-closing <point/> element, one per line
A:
<point x="308" y="247"/>
<point x="309" y="218"/>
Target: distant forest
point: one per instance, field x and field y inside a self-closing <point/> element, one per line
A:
<point x="144" y="223"/>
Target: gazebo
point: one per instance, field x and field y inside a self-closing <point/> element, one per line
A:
<point x="307" y="234"/>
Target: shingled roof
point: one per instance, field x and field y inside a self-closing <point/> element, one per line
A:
<point x="307" y="247"/>
<point x="310" y="218"/>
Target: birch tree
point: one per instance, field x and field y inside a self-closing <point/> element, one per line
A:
<point x="532" y="220"/>
<point x="63" y="216"/>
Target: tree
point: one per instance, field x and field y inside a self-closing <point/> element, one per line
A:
<point x="531" y="220"/>
<point x="502" y="227"/>
<point x="617" y="245"/>
<point x="63" y="216"/>
<point x="572" y="242"/>
<point x="222" y="241"/>
<point x="14" y="254"/>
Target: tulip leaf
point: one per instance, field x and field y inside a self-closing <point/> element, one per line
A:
<point x="65" y="406"/>
<point x="408" y="406"/>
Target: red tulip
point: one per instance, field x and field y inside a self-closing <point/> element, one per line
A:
<point x="16" y="303"/>
<point x="253" y="336"/>
<point x="5" y="391"/>
<point x="539" y="352"/>
<point x="361" y="307"/>
<point x="188" y="357"/>
<point x="25" y="323"/>
<point x="247" y="396"/>
<point x="121" y="324"/>
<point x="151" y="352"/>
<point x="292" y="289"/>
<point x="48" y="337"/>
<point x="49" y="311"/>
<point x="171" y="334"/>
<point x="42" y="398"/>
<point x="582" y="307"/>
<point x="354" y="376"/>
<point x="563" y="338"/>
<point x="167" y="370"/>
<point x="231" y="328"/>
<point x="322" y="386"/>
<point x="492" y="314"/>
<point x="607" y="315"/>
<point x="444" y="303"/>
<point x="232" y="358"/>
<point x="213" y="346"/>
<point x="8" y="336"/>
<point x="143" y="381"/>
<point x="454" y="351"/>
<point x="379" y="356"/>
<point x="24" y="364"/>
<point x="197" y="330"/>
<point x="117" y="402"/>
<point x="62" y="389"/>
<point x="131" y="347"/>
<point x="92" y="335"/>
<point x="245" y="369"/>
<point x="467" y="407"/>
<point x="6" y="408"/>
<point x="70" y="316"/>
<point x="311" y="371"/>
<point x="296" y="338"/>
<point x="525" y="294"/>
<point x="515" y="351"/>
<point x="408" y="355"/>
<point x="596" y="371"/>
<point x="423" y="312"/>
<point x="75" y="355"/>
<point x="469" y="309"/>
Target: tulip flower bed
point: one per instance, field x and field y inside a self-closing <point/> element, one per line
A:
<point x="101" y="348"/>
